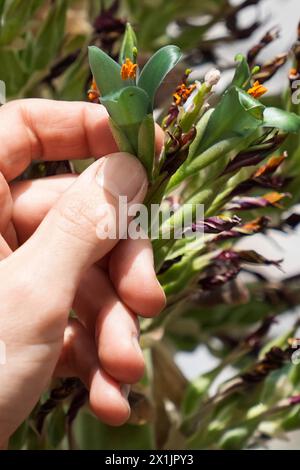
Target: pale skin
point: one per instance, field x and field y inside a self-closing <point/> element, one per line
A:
<point x="52" y="261"/>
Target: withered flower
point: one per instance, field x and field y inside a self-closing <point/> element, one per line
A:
<point x="254" y="339"/>
<point x="273" y="360"/>
<point x="269" y="69"/>
<point x="65" y="389"/>
<point x="228" y="263"/>
<point x="182" y="93"/>
<point x="177" y="100"/>
<point x="292" y="221"/>
<point x="267" y="38"/>
<point x="178" y="150"/>
<point x="216" y="224"/>
<point x="252" y="257"/>
<point x="93" y="93"/>
<point x="251" y="157"/>
<point x="253" y="226"/>
<point x="257" y="225"/>
<point x="232" y="20"/>
<point x="271" y="166"/>
<point x="252" y="202"/>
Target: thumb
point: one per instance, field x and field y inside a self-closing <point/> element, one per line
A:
<point x="82" y="227"/>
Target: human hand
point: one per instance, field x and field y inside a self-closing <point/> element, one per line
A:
<point x="52" y="261"/>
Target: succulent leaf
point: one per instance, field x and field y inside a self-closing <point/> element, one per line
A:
<point x="157" y="68"/>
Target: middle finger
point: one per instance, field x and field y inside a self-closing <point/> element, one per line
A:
<point x="114" y="327"/>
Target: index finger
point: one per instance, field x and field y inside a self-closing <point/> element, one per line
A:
<point x="40" y="129"/>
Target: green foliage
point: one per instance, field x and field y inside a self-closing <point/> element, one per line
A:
<point x="128" y="109"/>
<point x="93" y="435"/>
<point x="157" y="68"/>
<point x="242" y="74"/>
<point x="282" y="120"/>
<point x="49" y="38"/>
<point x="226" y="148"/>
<point x="14" y="16"/>
<point x="46" y="55"/>
<point x="146" y="143"/>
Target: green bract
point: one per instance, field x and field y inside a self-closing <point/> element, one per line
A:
<point x="282" y="120"/>
<point x="130" y="102"/>
<point x="242" y="74"/>
<point x="128" y="46"/>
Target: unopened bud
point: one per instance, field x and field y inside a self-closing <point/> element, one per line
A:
<point x="212" y="77"/>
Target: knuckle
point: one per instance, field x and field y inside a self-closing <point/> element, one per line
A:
<point x="124" y="365"/>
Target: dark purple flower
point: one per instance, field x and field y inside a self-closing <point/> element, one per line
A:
<point x="216" y="224"/>
<point x="252" y="202"/>
<point x="108" y="27"/>
<point x="273" y="360"/>
<point x="249" y="228"/>
<point x="253" y="157"/>
<point x="227" y="264"/>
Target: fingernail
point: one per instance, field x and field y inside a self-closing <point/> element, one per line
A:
<point x="121" y="174"/>
<point x="125" y="390"/>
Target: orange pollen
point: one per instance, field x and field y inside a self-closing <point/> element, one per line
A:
<point x="128" y="70"/>
<point x="182" y="93"/>
<point x="93" y="93"/>
<point x="257" y="90"/>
